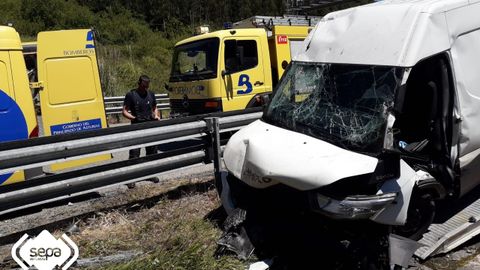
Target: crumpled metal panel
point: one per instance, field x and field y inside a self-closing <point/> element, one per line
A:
<point x="263" y="155"/>
<point x="396" y="212"/>
<point x="458" y="229"/>
<point x="392" y="33"/>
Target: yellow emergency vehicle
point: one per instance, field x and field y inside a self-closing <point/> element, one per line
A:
<point x="235" y="68"/>
<point x="68" y="86"/>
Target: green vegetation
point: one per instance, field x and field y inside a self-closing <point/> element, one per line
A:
<point x="191" y="247"/>
<point x="133" y="36"/>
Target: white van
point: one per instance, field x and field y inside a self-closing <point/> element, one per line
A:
<point x="377" y="119"/>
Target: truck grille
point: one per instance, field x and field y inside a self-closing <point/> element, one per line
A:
<point x="192" y="106"/>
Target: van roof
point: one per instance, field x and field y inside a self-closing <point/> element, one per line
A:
<point x="9" y="39"/>
<point x="390" y="32"/>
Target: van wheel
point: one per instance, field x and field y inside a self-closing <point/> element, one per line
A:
<point x="421" y="213"/>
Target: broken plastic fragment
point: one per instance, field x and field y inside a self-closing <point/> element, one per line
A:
<point x="235" y="239"/>
<point x="401" y="250"/>
<point x="261" y="265"/>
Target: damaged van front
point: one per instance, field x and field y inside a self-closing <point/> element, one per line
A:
<point x="324" y="133"/>
<point x="366" y="122"/>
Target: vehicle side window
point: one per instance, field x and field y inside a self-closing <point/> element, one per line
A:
<point x="240" y="55"/>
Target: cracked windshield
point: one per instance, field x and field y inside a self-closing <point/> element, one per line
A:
<point x="195" y="61"/>
<point x="346" y="105"/>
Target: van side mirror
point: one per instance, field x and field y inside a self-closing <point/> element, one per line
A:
<point x="225" y="72"/>
<point x="167" y="87"/>
<point x="266" y="99"/>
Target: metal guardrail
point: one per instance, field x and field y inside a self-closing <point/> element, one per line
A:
<point x="114" y="105"/>
<point x="20" y="155"/>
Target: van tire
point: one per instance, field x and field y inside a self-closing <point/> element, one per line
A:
<point x="421" y="213"/>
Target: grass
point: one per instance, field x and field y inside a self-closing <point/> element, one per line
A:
<point x="173" y="234"/>
<point x="191" y="247"/>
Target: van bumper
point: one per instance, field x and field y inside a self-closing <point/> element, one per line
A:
<point x="237" y="194"/>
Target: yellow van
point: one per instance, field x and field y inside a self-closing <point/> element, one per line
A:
<point x="68" y="86"/>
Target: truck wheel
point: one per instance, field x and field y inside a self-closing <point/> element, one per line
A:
<point x="421" y="213"/>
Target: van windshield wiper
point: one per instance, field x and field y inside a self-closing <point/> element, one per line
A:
<point x="203" y="72"/>
<point x="200" y="77"/>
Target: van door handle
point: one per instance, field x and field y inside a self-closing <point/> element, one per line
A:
<point x="258" y="83"/>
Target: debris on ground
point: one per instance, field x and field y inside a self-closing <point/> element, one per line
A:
<point x="235" y="238"/>
<point x="261" y="265"/>
<point x="121" y="257"/>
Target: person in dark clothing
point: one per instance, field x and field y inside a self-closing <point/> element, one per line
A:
<point x="140" y="106"/>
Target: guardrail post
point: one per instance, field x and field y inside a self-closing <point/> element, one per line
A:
<point x="214" y="150"/>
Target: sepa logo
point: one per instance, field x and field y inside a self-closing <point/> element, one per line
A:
<point x="45" y="252"/>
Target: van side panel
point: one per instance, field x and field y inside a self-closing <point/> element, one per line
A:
<point x="464" y="25"/>
<point x="71" y="99"/>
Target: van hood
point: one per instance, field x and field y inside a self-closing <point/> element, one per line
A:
<point x="262" y="155"/>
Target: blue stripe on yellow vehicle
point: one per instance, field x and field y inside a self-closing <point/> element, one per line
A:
<point x="12" y="124"/>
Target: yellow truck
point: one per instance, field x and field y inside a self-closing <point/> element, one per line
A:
<point x="235" y="68"/>
<point x="68" y="84"/>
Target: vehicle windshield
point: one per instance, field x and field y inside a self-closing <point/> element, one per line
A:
<point x="195" y="61"/>
<point x="346" y="105"/>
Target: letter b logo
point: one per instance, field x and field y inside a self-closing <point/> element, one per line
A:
<point x="244" y="80"/>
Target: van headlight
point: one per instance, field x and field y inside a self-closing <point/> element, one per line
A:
<point x="351" y="207"/>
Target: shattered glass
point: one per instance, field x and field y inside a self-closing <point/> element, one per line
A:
<point x="346" y="105"/>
